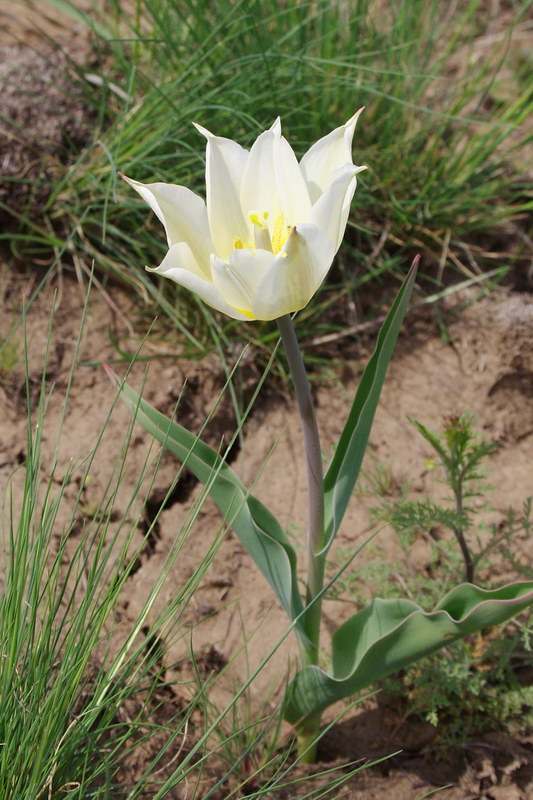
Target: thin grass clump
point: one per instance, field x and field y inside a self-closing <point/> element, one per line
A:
<point x="82" y="693"/>
<point x="443" y="139"/>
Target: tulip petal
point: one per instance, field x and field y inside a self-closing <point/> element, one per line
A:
<point x="326" y="156"/>
<point x="183" y="214"/>
<point x="294" y="200"/>
<point x="295" y="274"/>
<point x="258" y="188"/>
<point x="264" y="197"/>
<point x="225" y="163"/>
<point x="330" y="212"/>
<point x="238" y="278"/>
<point x="272" y="179"/>
<point x="180" y="266"/>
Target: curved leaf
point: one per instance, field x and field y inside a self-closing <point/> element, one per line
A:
<point x="258" y="529"/>
<point x="390" y="634"/>
<point x="344" y="469"/>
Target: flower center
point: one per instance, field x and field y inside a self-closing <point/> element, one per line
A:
<point x="270" y="232"/>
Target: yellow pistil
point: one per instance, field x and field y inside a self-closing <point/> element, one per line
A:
<point x="261" y="231"/>
<point x="269" y="237"/>
<point x="280" y="233"/>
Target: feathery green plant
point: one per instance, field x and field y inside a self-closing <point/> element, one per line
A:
<point x="460" y="453"/>
<point x="474" y="684"/>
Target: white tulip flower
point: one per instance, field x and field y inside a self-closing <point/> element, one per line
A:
<point x="264" y="241"/>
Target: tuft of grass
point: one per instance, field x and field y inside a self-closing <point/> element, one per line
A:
<point x="80" y="694"/>
<point x="85" y="699"/>
<point x="442" y="139"/>
<point x="77" y="694"/>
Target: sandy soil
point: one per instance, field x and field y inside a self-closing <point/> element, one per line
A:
<point x="485" y="367"/>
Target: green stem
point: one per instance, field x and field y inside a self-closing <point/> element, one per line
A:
<point x="315" y="482"/>
<point x="307" y="738"/>
<point x="307" y="733"/>
<point x="459" y="533"/>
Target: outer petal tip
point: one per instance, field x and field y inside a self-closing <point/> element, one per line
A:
<point x="276" y="127"/>
<point x="125" y="178"/>
<point x="203" y="131"/>
<point x="353" y="120"/>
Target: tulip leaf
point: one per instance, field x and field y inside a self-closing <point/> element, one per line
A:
<point x="389" y="635"/>
<point x="343" y="471"/>
<point x="258" y="530"/>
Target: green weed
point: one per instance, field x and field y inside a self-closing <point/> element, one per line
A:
<point x="474" y="684"/>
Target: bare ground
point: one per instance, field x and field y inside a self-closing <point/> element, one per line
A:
<point x="485" y="367"/>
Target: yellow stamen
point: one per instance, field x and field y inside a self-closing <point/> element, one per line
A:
<point x="258" y="219"/>
<point x="237" y="243"/>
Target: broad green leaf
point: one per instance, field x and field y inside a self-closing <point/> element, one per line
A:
<point x="389" y="635"/>
<point x="258" y="530"/>
<point x="344" y="469"/>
